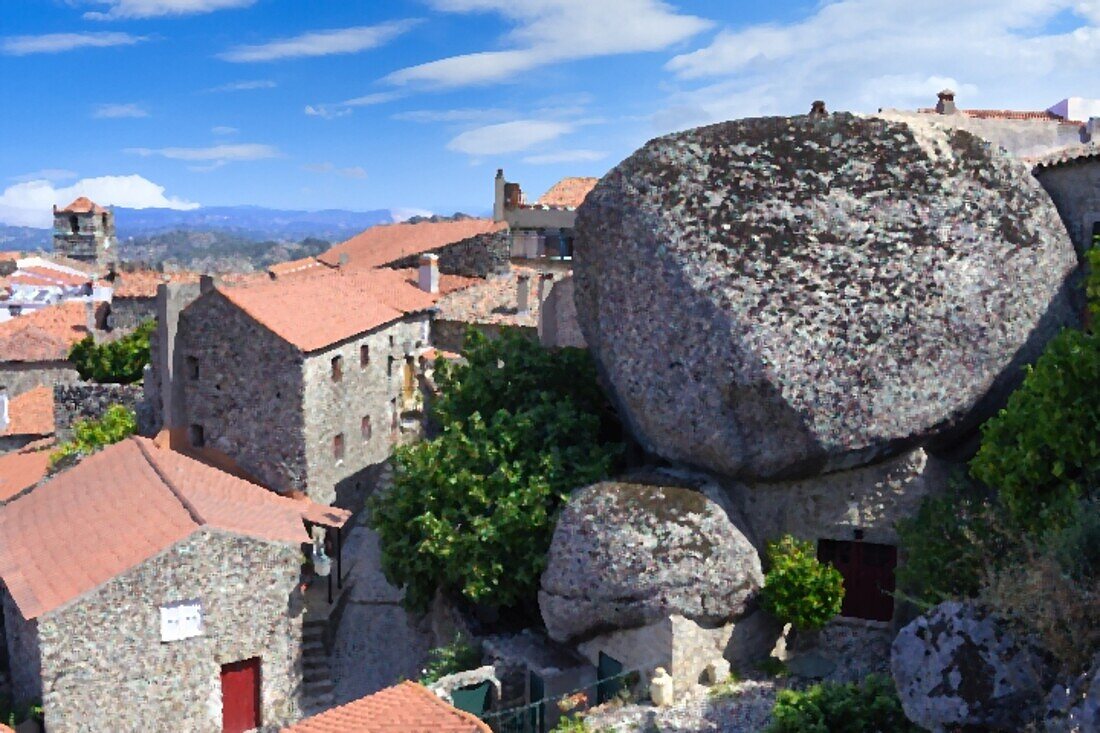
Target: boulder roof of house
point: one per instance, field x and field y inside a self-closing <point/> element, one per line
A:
<point x="46" y="334"/>
<point x="387" y="243"/>
<point x="143" y="283"/>
<point x="31" y="413"/>
<point x="316" y="311"/>
<point x="22" y="469"/>
<point x="83" y="205"/>
<point x="568" y="192"/>
<point x="404" y="708"/>
<point x="120" y="507"/>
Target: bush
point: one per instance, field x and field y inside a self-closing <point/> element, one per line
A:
<point x="872" y="707"/>
<point x="458" y="656"/>
<point x="117" y="423"/>
<point x="115" y="362"/>
<point x="798" y="588"/>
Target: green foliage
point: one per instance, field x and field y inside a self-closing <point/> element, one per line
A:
<point x="773" y="667"/>
<point x="871" y="707"/>
<point x="115" y="362"/>
<point x="458" y="656"/>
<point x="1092" y="283"/>
<point x="1076" y="547"/>
<point x="729" y="687"/>
<point x="798" y="588"/>
<point x="90" y="435"/>
<point x="571" y="724"/>
<point x="13" y="713"/>
<point x="472" y="510"/>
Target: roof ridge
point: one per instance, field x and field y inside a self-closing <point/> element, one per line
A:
<point x="187" y="505"/>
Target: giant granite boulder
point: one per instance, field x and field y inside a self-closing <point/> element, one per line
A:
<point x="779" y="297"/>
<point x="957" y="666"/>
<point x="1075" y="707"/>
<point x="625" y="555"/>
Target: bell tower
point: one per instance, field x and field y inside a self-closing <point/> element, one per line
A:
<point x="85" y="231"/>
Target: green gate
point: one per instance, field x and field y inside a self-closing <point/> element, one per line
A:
<point x="474" y="699"/>
<point x="609" y="678"/>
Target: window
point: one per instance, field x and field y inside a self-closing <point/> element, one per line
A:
<point x="391" y="341"/>
<point x="364" y="426"/>
<point x="337" y="368"/>
<point x="104" y="221"/>
<point x="74" y="224"/>
<point x="195" y="434"/>
<point x="338" y="447"/>
<point x="389" y="367"/>
<point x="364" y="356"/>
<point x="192" y="367"/>
<point x="393" y="414"/>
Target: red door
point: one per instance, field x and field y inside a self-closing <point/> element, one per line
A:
<point x="241" y="696"/>
<point x="868" y="571"/>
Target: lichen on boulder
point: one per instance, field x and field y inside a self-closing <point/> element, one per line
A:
<point x="625" y="555"/>
<point x="780" y="297"/>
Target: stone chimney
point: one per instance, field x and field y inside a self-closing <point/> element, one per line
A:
<point x="817" y="109"/>
<point x="5" y="419"/>
<point x="523" y="295"/>
<point x="498" y="196"/>
<point x="546" y="281"/>
<point x="206" y="284"/>
<point x="89" y="317"/>
<point x="429" y="273"/>
<point x="946" y="103"/>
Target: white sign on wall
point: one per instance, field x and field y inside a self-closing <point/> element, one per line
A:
<point x="180" y="620"/>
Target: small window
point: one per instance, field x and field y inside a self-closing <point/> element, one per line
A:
<point x="389" y="367"/>
<point x="364" y="356"/>
<point x="337" y="368"/>
<point x="104" y="220"/>
<point x="338" y="447"/>
<point x="195" y="433"/>
<point x="393" y="414"/>
<point x="192" y="367"/>
<point x="74" y="224"/>
<point x="365" y="427"/>
<point x="391" y="341"/>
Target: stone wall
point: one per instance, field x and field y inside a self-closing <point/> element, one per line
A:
<point x="87" y="400"/>
<point x="1075" y="190"/>
<point x="478" y="256"/>
<point x="558" y="324"/>
<point x="373" y="391"/>
<point x="21" y="376"/>
<point x="104" y="666"/>
<point x="21" y="637"/>
<point x="248" y="393"/>
<point x="450" y="335"/>
<point x="641" y="649"/>
<point x="128" y="313"/>
<point x="1023" y="138"/>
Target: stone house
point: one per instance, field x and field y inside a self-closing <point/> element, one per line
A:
<point x="134" y="295"/>
<point x="144" y="577"/>
<point x="543" y="229"/>
<point x="510" y="300"/>
<point x="34" y="348"/>
<point x="26" y="418"/>
<point x="1072" y="178"/>
<point x="85" y="231"/>
<point x="307" y="382"/>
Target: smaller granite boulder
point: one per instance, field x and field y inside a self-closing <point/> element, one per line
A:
<point x="1075" y="707"/>
<point x="625" y="555"/>
<point x="957" y="666"/>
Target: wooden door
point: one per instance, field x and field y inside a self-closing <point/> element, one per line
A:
<point x="868" y="571"/>
<point x="241" y="696"/>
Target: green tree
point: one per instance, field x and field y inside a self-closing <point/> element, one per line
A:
<point x="799" y="589"/>
<point x="117" y="362"/>
<point x="472" y="510"/>
<point x="117" y="423"/>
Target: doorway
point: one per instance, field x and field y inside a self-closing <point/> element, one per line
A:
<point x="868" y="571"/>
<point x="241" y="696"/>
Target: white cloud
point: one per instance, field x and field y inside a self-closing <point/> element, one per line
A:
<point x="565" y="156"/>
<point x="553" y="31"/>
<point x="224" y="130"/>
<point x="861" y="55"/>
<point x="321" y="43"/>
<point x="31" y="203"/>
<point x="118" y="111"/>
<point x="58" y="42"/>
<point x="340" y="109"/>
<point x="452" y="115"/>
<point x="508" y="137"/>
<point x="244" y="86"/>
<point x="53" y="175"/>
<point x="215" y="156"/>
<point x="153" y="8"/>
<point x="327" y="167"/>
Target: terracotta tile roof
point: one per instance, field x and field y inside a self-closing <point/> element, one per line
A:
<point x="31" y="413"/>
<point x="116" y="509"/>
<point x="5" y="729"/>
<point x="44" y="335"/>
<point x="316" y="311"/>
<point x="23" y="468"/>
<point x="447" y="283"/>
<point x="568" y="192"/>
<point x="381" y="245"/>
<point x="143" y="283"/>
<point x="404" y="708"/>
<point x="494" y="300"/>
<point x="295" y="267"/>
<point x="431" y="354"/>
<point x="83" y="205"/>
<point x="49" y="276"/>
<point x="1074" y="154"/>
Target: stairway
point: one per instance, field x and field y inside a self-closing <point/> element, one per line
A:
<point x="317" y="687"/>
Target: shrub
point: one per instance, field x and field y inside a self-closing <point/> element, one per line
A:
<point x="117" y="362"/>
<point x="871" y="707"/>
<point x="458" y="656"/>
<point x="798" y="588"/>
<point x="89" y="436"/>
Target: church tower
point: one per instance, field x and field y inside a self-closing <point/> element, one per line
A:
<point x="85" y="231"/>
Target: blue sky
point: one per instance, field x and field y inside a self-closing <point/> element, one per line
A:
<point x="413" y="104"/>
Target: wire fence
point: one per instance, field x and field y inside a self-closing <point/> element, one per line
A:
<point x="532" y="718"/>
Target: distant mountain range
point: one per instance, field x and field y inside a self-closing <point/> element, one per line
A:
<point x="247" y="222"/>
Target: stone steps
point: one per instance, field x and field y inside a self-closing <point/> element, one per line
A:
<point x="317" y="687"/>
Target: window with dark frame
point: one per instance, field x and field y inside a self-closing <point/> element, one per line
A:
<point x="337" y="368"/>
<point x="389" y="366"/>
<point x="364" y="426"/>
<point x="192" y="367"/>
<point x="196" y="436"/>
<point x="364" y="356"/>
<point x="338" y="447"/>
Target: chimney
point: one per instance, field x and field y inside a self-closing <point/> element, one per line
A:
<point x="946" y="105"/>
<point x="206" y="284"/>
<point x="498" y="196"/>
<point x="429" y="273"/>
<point x="546" y="280"/>
<point x="817" y="109"/>
<point x="89" y="316"/>
<point x="523" y="295"/>
<point x="5" y="420"/>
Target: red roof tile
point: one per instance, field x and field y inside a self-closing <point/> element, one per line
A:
<point x="143" y="283"/>
<point x="316" y="311"/>
<point x="1010" y="114"/>
<point x="83" y="205"/>
<point x="116" y="509"/>
<point x="494" y="300"/>
<point x="404" y="708"/>
<point x="382" y="245"/>
<point x="31" y="413"/>
<point x="23" y="469"/>
<point x="568" y="192"/>
<point x="295" y="267"/>
<point x="44" y="335"/>
<point x="50" y="276"/>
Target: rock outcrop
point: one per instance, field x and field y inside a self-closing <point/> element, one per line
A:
<point x="780" y="297"/>
<point x="1075" y="707"/>
<point x="625" y="554"/>
<point x="956" y="666"/>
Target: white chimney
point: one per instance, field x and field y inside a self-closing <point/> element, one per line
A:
<point x="4" y="419"/>
<point x="523" y="294"/>
<point x="429" y="273"/>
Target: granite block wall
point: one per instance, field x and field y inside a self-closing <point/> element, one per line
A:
<point x="24" y="659"/>
<point x="20" y="376"/>
<point x="87" y="400"/>
<point x="478" y="256"/>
